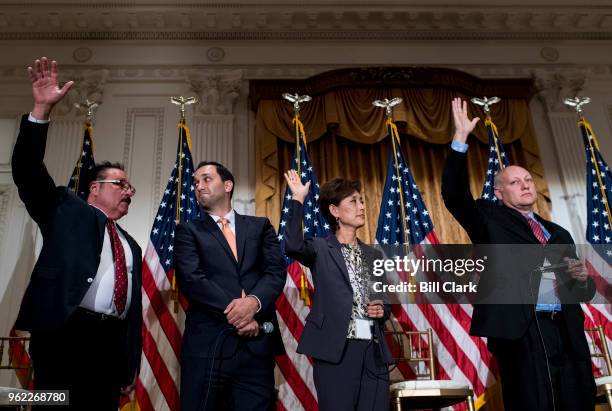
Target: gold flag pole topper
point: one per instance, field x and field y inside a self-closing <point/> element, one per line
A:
<point x="296" y="100"/>
<point x="89" y="108"/>
<point x="576" y="103"/>
<point x="182" y="102"/>
<point x="486" y="103"/>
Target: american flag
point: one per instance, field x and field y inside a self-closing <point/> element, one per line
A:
<point x="497" y="161"/>
<point x="158" y="384"/>
<point x="84" y="166"/>
<point x="296" y="389"/>
<point x="598" y="233"/>
<point x="405" y="221"/>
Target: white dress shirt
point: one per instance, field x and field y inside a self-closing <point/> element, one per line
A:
<point x="99" y="296"/>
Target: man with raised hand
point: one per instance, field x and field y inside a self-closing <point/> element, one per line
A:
<point x="82" y="305"/>
<point x="540" y="347"/>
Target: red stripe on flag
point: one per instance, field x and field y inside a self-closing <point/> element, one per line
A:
<point x="289" y="316"/>
<point x="293" y="378"/>
<point x="162" y="375"/>
<point x="280" y="406"/>
<point x="166" y="321"/>
<point x="455" y="350"/>
<point x="144" y="402"/>
<point x="600" y="319"/>
<point x="601" y="284"/>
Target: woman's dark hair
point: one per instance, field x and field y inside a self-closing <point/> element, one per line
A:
<point x="333" y="192"/>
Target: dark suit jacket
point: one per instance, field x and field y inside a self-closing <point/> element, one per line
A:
<point x="487" y="223"/>
<point x="326" y="328"/>
<point x="73" y="235"/>
<point x="210" y="277"/>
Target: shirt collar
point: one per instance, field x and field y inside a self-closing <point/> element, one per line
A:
<point x="230" y="216"/>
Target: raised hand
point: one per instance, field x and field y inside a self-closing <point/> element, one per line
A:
<point x="298" y="190"/>
<point x="45" y="87"/>
<point x="463" y="125"/>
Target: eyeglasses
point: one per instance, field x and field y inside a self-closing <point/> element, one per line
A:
<point x="120" y="183"/>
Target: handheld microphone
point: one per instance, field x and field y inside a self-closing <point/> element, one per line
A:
<point x="552" y="267"/>
<point x="266" y="327"/>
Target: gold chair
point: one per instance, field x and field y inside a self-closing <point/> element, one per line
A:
<point x="604" y="382"/>
<point x="14" y="357"/>
<point x="425" y="391"/>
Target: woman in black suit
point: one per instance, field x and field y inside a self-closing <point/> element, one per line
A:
<point x="344" y="330"/>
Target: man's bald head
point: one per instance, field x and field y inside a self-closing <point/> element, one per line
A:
<point x="515" y="188"/>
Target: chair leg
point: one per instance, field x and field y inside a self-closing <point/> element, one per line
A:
<point x="398" y="403"/>
<point x="470" y="403"/>
<point x="609" y="397"/>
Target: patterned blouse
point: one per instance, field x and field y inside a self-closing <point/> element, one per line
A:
<point x="353" y="259"/>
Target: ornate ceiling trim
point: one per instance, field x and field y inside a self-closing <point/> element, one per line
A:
<point x="134" y="20"/>
<point x="304" y="35"/>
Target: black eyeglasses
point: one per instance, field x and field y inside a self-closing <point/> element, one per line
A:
<point x="120" y="183"/>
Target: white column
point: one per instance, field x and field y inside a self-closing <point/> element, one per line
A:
<point x="219" y="131"/>
<point x="567" y="148"/>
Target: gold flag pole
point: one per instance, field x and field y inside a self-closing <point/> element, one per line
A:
<point x="296" y="100"/>
<point x="395" y="142"/>
<point x="577" y="103"/>
<point x="182" y="102"/>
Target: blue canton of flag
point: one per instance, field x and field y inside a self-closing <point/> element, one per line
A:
<point x="497" y="161"/>
<point x="314" y="222"/>
<point x="599" y="193"/>
<point x="84" y="168"/>
<point x="179" y="189"/>
<point x="400" y="187"/>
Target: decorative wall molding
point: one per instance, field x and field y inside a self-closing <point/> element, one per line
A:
<point x="301" y="21"/>
<point x="217" y="90"/>
<point x="213" y="138"/>
<point x="5" y="196"/>
<point x="158" y="114"/>
<point x="155" y="73"/>
<point x="609" y="115"/>
<point x="88" y="84"/>
<point x="553" y="87"/>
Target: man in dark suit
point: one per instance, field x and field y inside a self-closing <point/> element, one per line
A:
<point x="83" y="303"/>
<point x="230" y="268"/>
<point x="540" y="348"/>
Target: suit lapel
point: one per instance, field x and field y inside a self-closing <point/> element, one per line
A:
<point x="101" y="220"/>
<point x="214" y="229"/>
<point x="336" y="255"/>
<point x="241" y="234"/>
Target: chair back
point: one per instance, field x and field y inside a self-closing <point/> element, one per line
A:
<point x="415" y="347"/>
<point x="598" y="347"/>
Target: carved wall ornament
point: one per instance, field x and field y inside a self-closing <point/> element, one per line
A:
<point x="554" y="86"/>
<point x="88" y="85"/>
<point x="217" y="91"/>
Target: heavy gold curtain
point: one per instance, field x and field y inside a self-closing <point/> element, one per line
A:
<point x="347" y="137"/>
